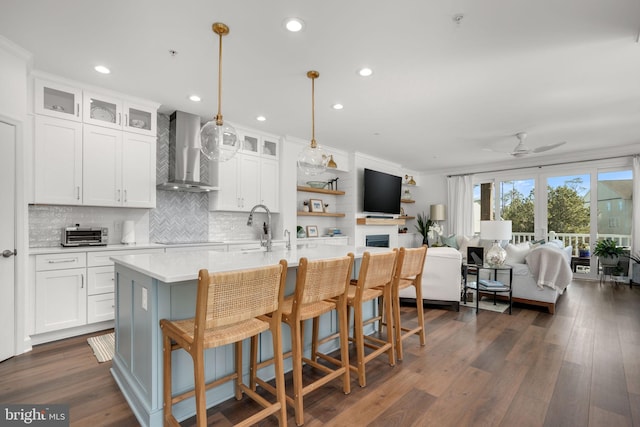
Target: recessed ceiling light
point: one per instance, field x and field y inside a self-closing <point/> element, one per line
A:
<point x="102" y="69"/>
<point x="365" y="72"/>
<point x="294" y="24"/>
<point x="337" y="106"/>
<point x="261" y="118"/>
<point x="195" y="98"/>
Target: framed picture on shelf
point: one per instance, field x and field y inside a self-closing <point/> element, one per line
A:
<point x="312" y="231"/>
<point x="315" y="205"/>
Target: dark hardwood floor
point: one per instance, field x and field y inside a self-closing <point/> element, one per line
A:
<point x="580" y="367"/>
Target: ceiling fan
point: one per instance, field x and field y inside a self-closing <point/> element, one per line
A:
<point x="522" y="150"/>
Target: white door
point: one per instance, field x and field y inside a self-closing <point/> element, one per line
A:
<point x="7" y="240"/>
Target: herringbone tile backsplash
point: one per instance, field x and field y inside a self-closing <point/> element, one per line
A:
<point x="179" y="217"/>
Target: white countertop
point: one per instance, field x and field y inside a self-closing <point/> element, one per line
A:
<point x="181" y="266"/>
<point x="136" y="246"/>
<point x="72" y="249"/>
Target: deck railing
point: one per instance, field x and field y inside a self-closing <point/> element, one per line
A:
<point x="574" y="239"/>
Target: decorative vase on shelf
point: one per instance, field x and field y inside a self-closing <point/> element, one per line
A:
<point x="407" y="195"/>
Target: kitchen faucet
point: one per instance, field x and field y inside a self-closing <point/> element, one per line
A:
<point x="266" y="227"/>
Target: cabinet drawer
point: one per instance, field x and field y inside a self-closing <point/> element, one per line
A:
<point x="98" y="259"/>
<point x="60" y="261"/>
<point x="100" y="280"/>
<point x="100" y="308"/>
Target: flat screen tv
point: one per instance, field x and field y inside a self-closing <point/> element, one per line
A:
<point x="382" y="192"/>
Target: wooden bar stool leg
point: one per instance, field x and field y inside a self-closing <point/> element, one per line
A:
<point x="201" y="398"/>
<point x="238" y="361"/>
<point x="388" y="309"/>
<point x="166" y="378"/>
<point x="276" y="334"/>
<point x="253" y="363"/>
<point x="296" y="355"/>
<point x="315" y="332"/>
<point x="420" y="308"/>
<point x="397" y="325"/>
<point x="344" y="346"/>
<point x="358" y="335"/>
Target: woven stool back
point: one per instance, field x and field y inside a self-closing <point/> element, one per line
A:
<point x="231" y="297"/>
<point x="377" y="269"/>
<point x="322" y="279"/>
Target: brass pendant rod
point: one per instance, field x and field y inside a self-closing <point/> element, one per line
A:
<point x="313" y="75"/>
<point x="220" y="29"/>
<point x="219" y="116"/>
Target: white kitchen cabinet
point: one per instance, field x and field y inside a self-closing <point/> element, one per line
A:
<point x="102" y="166"/>
<point x="117" y="113"/>
<point x="270" y="184"/>
<point x="102" y="110"/>
<point x="138" y="171"/>
<point x="58" y="161"/>
<point x="251" y="177"/>
<point x="118" y="168"/>
<point x="100" y="308"/>
<point x="109" y="160"/>
<point x="140" y="119"/>
<point x="60" y="291"/>
<point x="58" y="100"/>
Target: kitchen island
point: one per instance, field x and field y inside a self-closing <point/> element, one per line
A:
<point x="163" y="286"/>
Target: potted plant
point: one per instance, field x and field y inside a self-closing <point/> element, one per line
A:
<point x="583" y="250"/>
<point x="608" y="251"/>
<point x="423" y="226"/>
<point x="635" y="276"/>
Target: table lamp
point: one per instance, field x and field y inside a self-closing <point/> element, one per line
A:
<point x="496" y="231"/>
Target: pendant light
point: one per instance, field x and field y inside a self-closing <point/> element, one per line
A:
<point x="313" y="160"/>
<point x="219" y="141"/>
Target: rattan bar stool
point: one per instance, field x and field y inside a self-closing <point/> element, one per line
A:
<point x="321" y="287"/>
<point x="230" y="307"/>
<point x="374" y="281"/>
<point x="409" y="269"/>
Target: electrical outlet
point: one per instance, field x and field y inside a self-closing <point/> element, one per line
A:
<point x="144" y="298"/>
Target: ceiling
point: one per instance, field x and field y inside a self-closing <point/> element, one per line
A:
<point x="445" y="95"/>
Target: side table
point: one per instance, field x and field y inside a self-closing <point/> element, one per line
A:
<point x="495" y="289"/>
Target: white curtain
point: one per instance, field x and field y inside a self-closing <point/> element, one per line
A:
<point x="635" y="223"/>
<point x="460" y="201"/>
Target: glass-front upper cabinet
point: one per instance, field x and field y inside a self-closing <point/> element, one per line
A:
<point x="270" y="147"/>
<point x="139" y="119"/>
<point x="56" y="100"/>
<point x="102" y="110"/>
<point x="250" y="142"/>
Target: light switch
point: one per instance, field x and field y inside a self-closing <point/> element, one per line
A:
<point x="144" y="298"/>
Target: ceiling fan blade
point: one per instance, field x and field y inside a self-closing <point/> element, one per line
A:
<point x="548" y="147"/>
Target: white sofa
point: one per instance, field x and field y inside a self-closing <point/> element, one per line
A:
<point x="526" y="288"/>
<point x="441" y="278"/>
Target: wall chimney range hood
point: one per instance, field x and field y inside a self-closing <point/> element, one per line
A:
<point x="186" y="169"/>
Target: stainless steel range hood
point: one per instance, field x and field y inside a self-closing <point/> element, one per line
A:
<point x="187" y="171"/>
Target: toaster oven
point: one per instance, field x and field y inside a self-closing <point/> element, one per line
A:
<point x="85" y="236"/>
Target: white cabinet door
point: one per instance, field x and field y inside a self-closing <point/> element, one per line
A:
<point x="270" y="185"/>
<point x="102" y="110"/>
<point x="57" y="100"/>
<point x="100" y="280"/>
<point x="100" y="308"/>
<point x="58" y="161"/>
<point x="227" y="198"/>
<point x="102" y="168"/>
<point x="138" y="171"/>
<point x="249" y="181"/>
<point x="139" y="119"/>
<point x="61" y="299"/>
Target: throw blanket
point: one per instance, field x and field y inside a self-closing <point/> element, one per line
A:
<point x="550" y="267"/>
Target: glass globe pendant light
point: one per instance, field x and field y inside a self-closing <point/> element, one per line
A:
<point x="219" y="141"/>
<point x="313" y="160"/>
